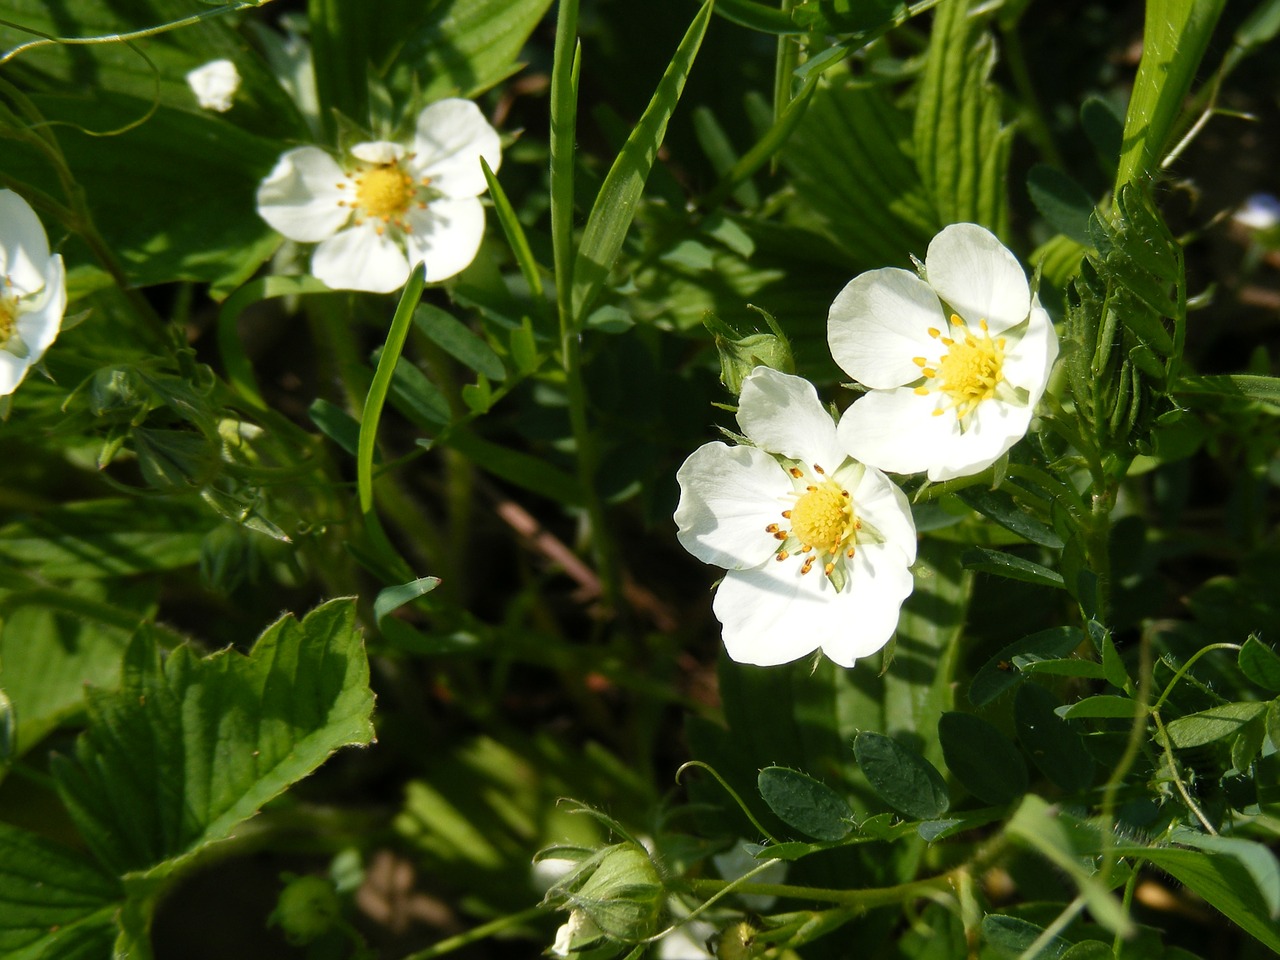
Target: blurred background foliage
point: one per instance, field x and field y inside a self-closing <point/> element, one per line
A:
<point x="187" y="470"/>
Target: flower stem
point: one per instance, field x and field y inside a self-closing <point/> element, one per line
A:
<point x="474" y="934"/>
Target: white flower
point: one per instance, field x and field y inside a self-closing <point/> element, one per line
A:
<point x="214" y="84"/>
<point x="817" y="545"/>
<point x="389" y="206"/>
<point x="955" y="364"/>
<point x="33" y="291"/>
<point x="1261" y="211"/>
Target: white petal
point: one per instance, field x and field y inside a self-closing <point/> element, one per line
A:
<point x="895" y="430"/>
<point x="728" y="495"/>
<point x="12" y="370"/>
<point x="378" y="151"/>
<point x="445" y="236"/>
<point x="973" y="272"/>
<point x="879" y="322"/>
<point x="452" y="135"/>
<point x="782" y="414"/>
<point x="360" y="258"/>
<point x="880" y="503"/>
<point x="214" y="84"/>
<point x="990" y="431"/>
<point x="1028" y="363"/>
<point x="24" y="247"/>
<point x="869" y="605"/>
<point x="39" y="323"/>
<point x="300" y="197"/>
<point x="772" y="614"/>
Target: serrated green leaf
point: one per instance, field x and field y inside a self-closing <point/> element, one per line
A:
<point x="901" y="777"/>
<point x="962" y="150"/>
<point x="619" y="195"/>
<point x="1216" y="723"/>
<point x="1052" y="743"/>
<point x="1013" y="567"/>
<point x="804" y="803"/>
<point x="1000" y="673"/>
<point x="182" y="754"/>
<point x="981" y="758"/>
<point x="54" y="903"/>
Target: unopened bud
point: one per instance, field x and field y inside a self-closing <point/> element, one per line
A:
<point x="740" y="354"/>
<point x="307" y="909"/>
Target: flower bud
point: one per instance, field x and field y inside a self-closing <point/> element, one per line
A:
<point x="307" y="909"/>
<point x="616" y="894"/>
<point x="740" y="354"/>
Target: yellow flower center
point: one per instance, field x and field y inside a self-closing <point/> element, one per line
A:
<point x="384" y="192"/>
<point x="969" y="371"/>
<point x="823" y="524"/>
<point x="8" y="313"/>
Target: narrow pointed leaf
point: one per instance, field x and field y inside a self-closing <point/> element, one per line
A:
<point x="619" y="196"/>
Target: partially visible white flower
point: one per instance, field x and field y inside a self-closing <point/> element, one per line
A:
<point x="388" y="206"/>
<point x="817" y="545"/>
<point x="738" y="861"/>
<point x="215" y="84"/>
<point x="33" y="291"/>
<point x="1260" y="212"/>
<point x="955" y="362"/>
<point x="579" y="932"/>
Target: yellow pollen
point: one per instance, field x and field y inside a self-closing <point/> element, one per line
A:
<point x="384" y="192"/>
<point x="822" y="518"/>
<point x="969" y="372"/>
<point x="8" y="312"/>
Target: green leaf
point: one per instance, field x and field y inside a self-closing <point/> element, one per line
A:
<point x="1070" y="667"/>
<point x="961" y="148"/>
<point x="1260" y="664"/>
<point x="457" y="48"/>
<point x="54" y="903"/>
<point x="1061" y="201"/>
<point x="901" y="777"/>
<point x="169" y="232"/>
<point x="1103" y="706"/>
<point x="1052" y="743"/>
<point x="1174" y="39"/>
<point x="1259" y="861"/>
<point x="1264" y="389"/>
<point x="1000" y="507"/>
<point x="1013" y="567"/>
<point x="336" y="424"/>
<point x="102" y="538"/>
<point x="53" y="643"/>
<point x="1092" y="950"/>
<point x="982" y="759"/>
<point x="615" y="205"/>
<point x="851" y="164"/>
<point x="1069" y="844"/>
<point x="804" y="803"/>
<point x="1010" y="937"/>
<point x="1105" y="129"/>
<point x="184" y="753"/>
<point x="1001" y="672"/>
<point x="1223" y="881"/>
<point x="458" y="341"/>
<point x="523" y="469"/>
<point x="1213" y="724"/>
<point x="391" y="599"/>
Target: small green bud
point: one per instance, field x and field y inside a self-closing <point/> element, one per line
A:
<point x="616" y="893"/>
<point x="307" y="909"/>
<point x="740" y="354"/>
